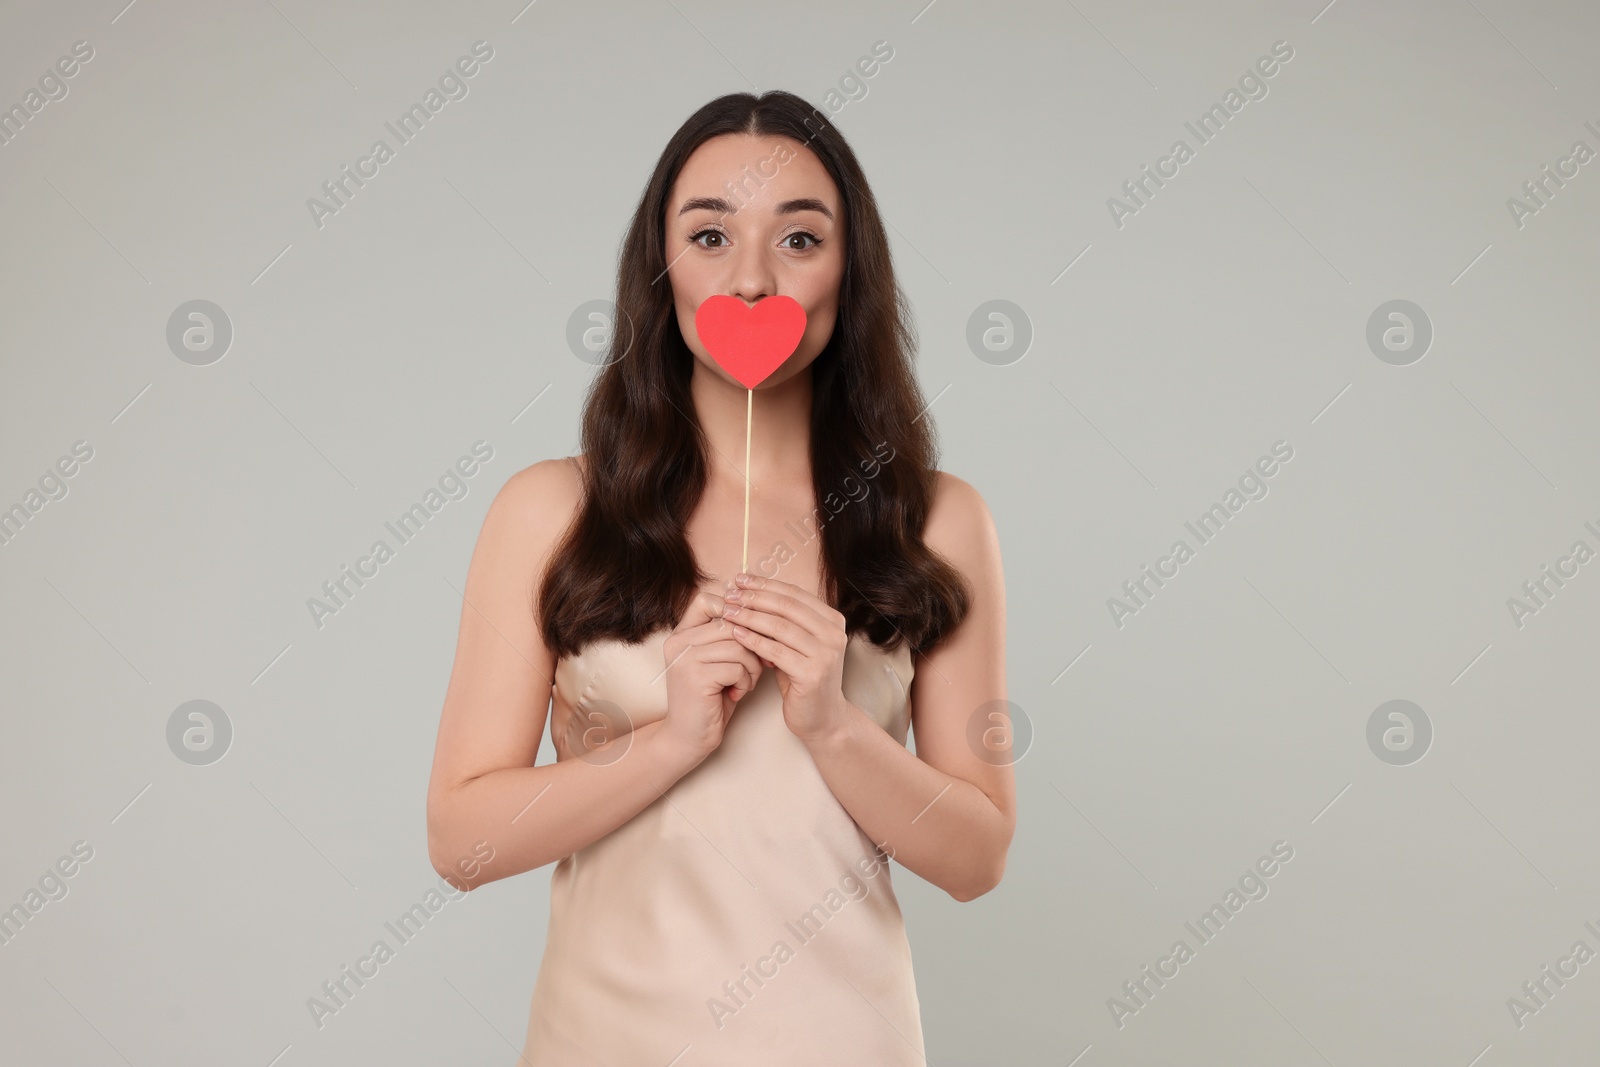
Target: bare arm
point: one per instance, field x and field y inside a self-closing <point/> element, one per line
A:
<point x="484" y="788"/>
<point x="945" y="812"/>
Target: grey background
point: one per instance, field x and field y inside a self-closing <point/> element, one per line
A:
<point x="1229" y="313"/>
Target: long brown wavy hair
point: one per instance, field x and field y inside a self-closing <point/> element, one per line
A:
<point x="624" y="568"/>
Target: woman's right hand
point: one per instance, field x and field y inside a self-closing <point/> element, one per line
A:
<point x="707" y="673"/>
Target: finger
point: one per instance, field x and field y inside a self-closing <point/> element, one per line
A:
<point x="680" y="641"/>
<point x="761" y="581"/>
<point x="789" y="589"/>
<point x="781" y="656"/>
<point x="730" y="651"/>
<point x="778" y="628"/>
<point x="733" y="676"/>
<point x="746" y="684"/>
<point x="750" y="674"/>
<point x="704" y="607"/>
<point x="779" y="602"/>
<point x="727" y="650"/>
<point x="728" y="675"/>
<point x="711" y="630"/>
<point x="717" y="636"/>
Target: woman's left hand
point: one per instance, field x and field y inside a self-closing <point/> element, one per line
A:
<point x="804" y="640"/>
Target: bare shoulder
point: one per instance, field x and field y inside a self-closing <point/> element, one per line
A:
<point x="531" y="512"/>
<point x="542" y="494"/>
<point x="959" y="525"/>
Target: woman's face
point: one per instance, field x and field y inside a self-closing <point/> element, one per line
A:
<point x="752" y="217"/>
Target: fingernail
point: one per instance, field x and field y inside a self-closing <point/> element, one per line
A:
<point x="744" y="578"/>
<point x="733" y="597"/>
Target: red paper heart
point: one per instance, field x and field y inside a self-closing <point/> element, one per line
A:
<point x="750" y="342"/>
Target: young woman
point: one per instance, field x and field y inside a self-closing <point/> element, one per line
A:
<point x="731" y="770"/>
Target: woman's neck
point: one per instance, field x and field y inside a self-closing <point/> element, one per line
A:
<point x="780" y="445"/>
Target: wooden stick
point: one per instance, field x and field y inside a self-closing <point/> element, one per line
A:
<point x="749" y="417"/>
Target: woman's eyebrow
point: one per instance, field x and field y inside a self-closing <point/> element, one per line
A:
<point x="721" y="204"/>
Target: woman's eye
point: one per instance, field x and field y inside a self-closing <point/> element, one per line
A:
<point x="710" y="238"/>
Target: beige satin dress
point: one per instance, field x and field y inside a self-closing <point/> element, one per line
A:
<point x="744" y="917"/>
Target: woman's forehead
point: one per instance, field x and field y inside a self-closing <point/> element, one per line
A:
<point x="773" y="170"/>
